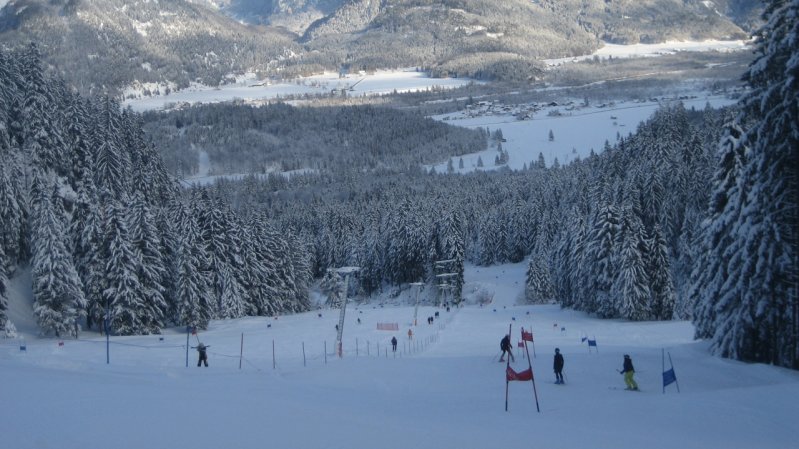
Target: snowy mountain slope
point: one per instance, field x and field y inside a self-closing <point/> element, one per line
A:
<point x="446" y="392"/>
<point x="124" y="43"/>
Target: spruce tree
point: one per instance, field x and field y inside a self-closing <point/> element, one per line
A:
<point x="751" y="310"/>
<point x="59" y="302"/>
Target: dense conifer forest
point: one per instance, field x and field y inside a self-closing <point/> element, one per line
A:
<point x="107" y="234"/>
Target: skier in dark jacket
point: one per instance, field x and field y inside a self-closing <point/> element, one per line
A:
<point x="201" y="349"/>
<point x="394" y="344"/>
<point x="558" y="366"/>
<point x="504" y="344"/>
<point x="628" y="372"/>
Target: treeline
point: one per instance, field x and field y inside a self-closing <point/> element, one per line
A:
<point x="279" y="137"/>
<point x="88" y="206"/>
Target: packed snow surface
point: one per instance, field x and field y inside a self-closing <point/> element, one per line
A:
<point x="444" y="388"/>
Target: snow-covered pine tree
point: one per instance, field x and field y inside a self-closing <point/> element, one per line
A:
<point x="758" y="320"/>
<point x="57" y="291"/>
<point x="194" y="306"/>
<point x="602" y="269"/>
<point x="630" y="292"/>
<point x="76" y="139"/>
<point x="451" y="244"/>
<point x="658" y="267"/>
<point x="406" y="254"/>
<point x="3" y="292"/>
<point x="539" y="288"/>
<point x="712" y="276"/>
<point x="86" y="230"/>
<point x="42" y="140"/>
<point x="211" y="224"/>
<point x="128" y="307"/>
<point x="147" y="245"/>
<point x="13" y="210"/>
<point x="232" y="294"/>
<point x="303" y="276"/>
<point x="112" y="164"/>
<point x="267" y="282"/>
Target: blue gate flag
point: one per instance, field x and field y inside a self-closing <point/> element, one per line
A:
<point x="592" y="342"/>
<point x="669" y="377"/>
<point x="583" y="339"/>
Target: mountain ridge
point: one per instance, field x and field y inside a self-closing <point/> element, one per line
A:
<point x="111" y="44"/>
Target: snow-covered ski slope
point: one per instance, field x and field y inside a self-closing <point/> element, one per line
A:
<point x="444" y="389"/>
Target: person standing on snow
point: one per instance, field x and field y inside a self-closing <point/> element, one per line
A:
<point x="504" y="344"/>
<point x="201" y="349"/>
<point x="394" y="344"/>
<point x="629" y="372"/>
<point x="558" y="366"/>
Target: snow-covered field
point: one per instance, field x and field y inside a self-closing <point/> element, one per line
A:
<point x="248" y="88"/>
<point x="576" y="129"/>
<point x="443" y="389"/>
<point x="609" y="50"/>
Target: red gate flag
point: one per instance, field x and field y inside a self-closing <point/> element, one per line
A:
<point x="510" y="374"/>
<point x="527" y="336"/>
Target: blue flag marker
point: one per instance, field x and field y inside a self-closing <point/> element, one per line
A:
<point x="669" y="377"/>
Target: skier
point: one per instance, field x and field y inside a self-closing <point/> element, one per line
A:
<point x="505" y="346"/>
<point x="201" y="348"/>
<point x="558" y="366"/>
<point x="394" y="344"/>
<point x="628" y="372"/>
<point x="410" y="334"/>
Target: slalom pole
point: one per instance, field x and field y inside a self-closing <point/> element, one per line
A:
<point x="507" y="366"/>
<point x="535" y="391"/>
<point x="676" y="382"/>
<point x="663" y="367"/>
<point x="241" y="351"/>
<point x="188" y="334"/>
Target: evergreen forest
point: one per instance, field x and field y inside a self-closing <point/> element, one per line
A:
<point x="692" y="216"/>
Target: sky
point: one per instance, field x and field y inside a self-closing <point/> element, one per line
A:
<point x="443" y="389"/>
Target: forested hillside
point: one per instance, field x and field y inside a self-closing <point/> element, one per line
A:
<point x="103" y="46"/>
<point x="570" y="221"/>
<point x="107" y="46"/>
<point x="88" y="207"/>
<point x="279" y="137"/>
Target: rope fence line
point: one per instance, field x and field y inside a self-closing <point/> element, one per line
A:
<point x="303" y="355"/>
<point x="287" y="357"/>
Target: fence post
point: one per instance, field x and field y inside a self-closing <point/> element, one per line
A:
<point x="241" y="351"/>
<point x="274" y="363"/>
<point x="356" y="347"/>
<point x="303" y="354"/>
<point x="325" y="352"/>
